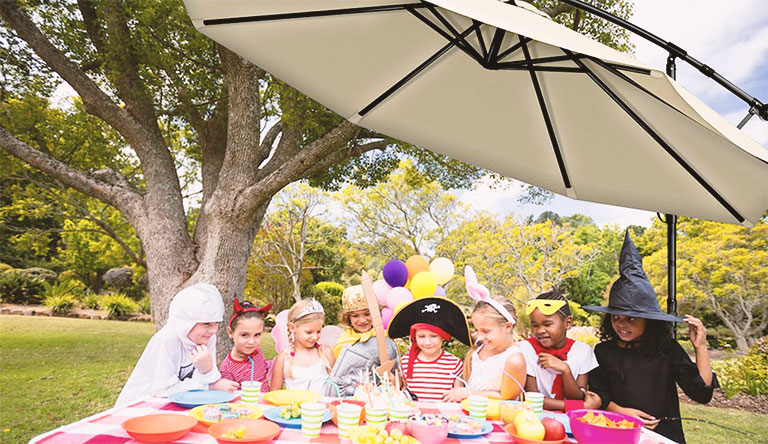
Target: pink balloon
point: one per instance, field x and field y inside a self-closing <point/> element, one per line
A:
<point x="440" y="292"/>
<point x="381" y="288"/>
<point x="386" y="316"/>
<point x="398" y="295"/>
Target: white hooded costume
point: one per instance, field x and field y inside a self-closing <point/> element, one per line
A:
<point x="165" y="366"/>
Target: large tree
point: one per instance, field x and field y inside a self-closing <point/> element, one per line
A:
<point x="177" y="100"/>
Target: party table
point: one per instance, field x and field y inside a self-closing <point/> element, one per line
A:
<point x="104" y="427"/>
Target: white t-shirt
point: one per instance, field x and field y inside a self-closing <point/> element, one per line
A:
<point x="486" y="374"/>
<point x="581" y="359"/>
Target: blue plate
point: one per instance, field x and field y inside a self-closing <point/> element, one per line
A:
<point x="487" y="427"/>
<point x="193" y="398"/>
<point x="273" y="415"/>
<point x="561" y="417"/>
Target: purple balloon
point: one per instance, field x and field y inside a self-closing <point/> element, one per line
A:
<point x="395" y="273"/>
<point x="440" y="291"/>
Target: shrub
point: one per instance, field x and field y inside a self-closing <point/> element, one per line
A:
<point x="585" y="337"/>
<point x="144" y="305"/>
<point x="67" y="288"/>
<point x="91" y="300"/>
<point x="746" y="374"/>
<point x="4" y="267"/>
<point x="68" y="275"/>
<point x="17" y="287"/>
<point x="332" y="288"/>
<point x="118" y="305"/>
<point x="41" y="273"/>
<point x="329" y="295"/>
<point x="60" y="304"/>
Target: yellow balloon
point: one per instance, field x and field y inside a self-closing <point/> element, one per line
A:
<point x="442" y="268"/>
<point x="401" y="305"/>
<point x="423" y="285"/>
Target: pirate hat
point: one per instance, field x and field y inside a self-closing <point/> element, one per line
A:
<point x="632" y="294"/>
<point x="439" y="312"/>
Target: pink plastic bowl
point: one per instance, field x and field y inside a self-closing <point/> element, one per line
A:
<point x="592" y="434"/>
<point x="428" y="434"/>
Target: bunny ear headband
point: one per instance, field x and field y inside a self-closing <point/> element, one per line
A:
<point x="239" y="309"/>
<point x="479" y="293"/>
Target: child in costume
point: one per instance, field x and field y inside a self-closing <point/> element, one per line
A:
<point x="306" y="365"/>
<point x="429" y="371"/>
<point x="181" y="355"/>
<point x="495" y="368"/>
<point x="360" y="338"/>
<point x="640" y="363"/>
<point x="557" y="366"/>
<point x="245" y="328"/>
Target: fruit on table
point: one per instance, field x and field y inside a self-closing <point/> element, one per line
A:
<point x="509" y="411"/>
<point x="554" y="429"/>
<point x="396" y="425"/>
<point x="528" y="426"/>
<point x="377" y="435"/>
<point x="291" y="411"/>
<point x="235" y="433"/>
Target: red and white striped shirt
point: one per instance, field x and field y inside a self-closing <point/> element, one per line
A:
<point x="240" y="371"/>
<point x="433" y="379"/>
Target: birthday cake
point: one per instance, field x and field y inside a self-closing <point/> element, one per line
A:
<point x="379" y="396"/>
<point x="463" y="425"/>
<point x="221" y="412"/>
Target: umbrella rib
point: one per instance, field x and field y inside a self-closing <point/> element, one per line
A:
<point x="493" y="51"/>
<point x="469" y="49"/>
<point x="527" y="63"/>
<point x="480" y="40"/>
<point x="412" y="74"/>
<point x="655" y="136"/>
<point x="307" y="14"/>
<point x="547" y="120"/>
<point x="513" y="48"/>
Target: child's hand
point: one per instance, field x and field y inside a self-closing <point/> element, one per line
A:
<point x="650" y="421"/>
<point x="550" y="362"/>
<point x="456" y="394"/>
<point x="201" y="358"/>
<point x="224" y="385"/>
<point x="696" y="331"/>
<point x="592" y="400"/>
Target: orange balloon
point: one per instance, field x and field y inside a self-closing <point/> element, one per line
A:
<point x="416" y="264"/>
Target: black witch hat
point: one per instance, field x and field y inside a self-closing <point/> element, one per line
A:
<point x="632" y="294"/>
<point x="439" y="312"/>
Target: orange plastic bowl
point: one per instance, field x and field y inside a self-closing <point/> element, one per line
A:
<point x="256" y="430"/>
<point x="160" y="427"/>
<point x="511" y="431"/>
<point x="335" y="418"/>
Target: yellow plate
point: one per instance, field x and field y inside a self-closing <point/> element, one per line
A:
<point x="197" y="412"/>
<point x="354" y="432"/>
<point x="288" y="397"/>
<point x="493" y="408"/>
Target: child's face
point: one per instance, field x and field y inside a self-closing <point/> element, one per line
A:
<point x="361" y="320"/>
<point x="550" y="330"/>
<point x="202" y="332"/>
<point x="627" y="328"/>
<point x="306" y="334"/>
<point x="490" y="332"/>
<point x="247" y="335"/>
<point x="430" y="343"/>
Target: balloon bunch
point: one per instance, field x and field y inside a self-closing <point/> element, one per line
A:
<point x="413" y="279"/>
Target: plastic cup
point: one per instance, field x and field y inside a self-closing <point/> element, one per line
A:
<point x="478" y="407"/>
<point x="349" y="417"/>
<point x="400" y="413"/>
<point x="536" y="400"/>
<point x="375" y="415"/>
<point x="250" y="392"/>
<point x="312" y="419"/>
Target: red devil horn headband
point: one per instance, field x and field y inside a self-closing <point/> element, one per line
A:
<point x="238" y="310"/>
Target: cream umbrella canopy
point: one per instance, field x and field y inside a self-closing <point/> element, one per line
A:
<point x="503" y="87"/>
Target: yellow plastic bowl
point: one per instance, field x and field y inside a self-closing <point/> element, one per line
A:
<point x="493" y="408"/>
<point x="288" y="397"/>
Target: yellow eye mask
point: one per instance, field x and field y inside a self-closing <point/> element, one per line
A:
<point x="546" y="306"/>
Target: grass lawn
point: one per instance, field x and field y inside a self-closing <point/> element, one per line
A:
<point x="54" y="371"/>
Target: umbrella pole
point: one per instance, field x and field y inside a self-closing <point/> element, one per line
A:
<point x="671" y="221"/>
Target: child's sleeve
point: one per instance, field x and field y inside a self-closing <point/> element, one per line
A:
<point x="687" y="376"/>
<point x="531" y="360"/>
<point x="166" y="374"/>
<point x="587" y="361"/>
<point x="458" y="370"/>
<point x="598" y="382"/>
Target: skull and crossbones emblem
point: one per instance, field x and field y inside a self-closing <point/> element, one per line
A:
<point x="431" y="308"/>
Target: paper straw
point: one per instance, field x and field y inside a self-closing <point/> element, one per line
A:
<point x="338" y="390"/>
<point x="386" y="388"/>
<point x="251" y="359"/>
<point x="522" y="390"/>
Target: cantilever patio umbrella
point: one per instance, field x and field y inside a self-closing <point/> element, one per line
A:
<point x="505" y="88"/>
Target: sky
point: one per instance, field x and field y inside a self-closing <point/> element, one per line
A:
<point x="731" y="37"/>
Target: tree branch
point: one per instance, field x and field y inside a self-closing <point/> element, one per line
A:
<point x="269" y="139"/>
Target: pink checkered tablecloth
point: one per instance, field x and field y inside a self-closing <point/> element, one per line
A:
<point x="104" y="427"/>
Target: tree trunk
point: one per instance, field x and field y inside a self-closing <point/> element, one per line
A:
<point x="741" y="343"/>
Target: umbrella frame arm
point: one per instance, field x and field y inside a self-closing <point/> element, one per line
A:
<point x="755" y="105"/>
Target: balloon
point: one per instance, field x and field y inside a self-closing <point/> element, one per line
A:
<point x="381" y="288"/>
<point x="440" y="292"/>
<point x="423" y="285"/>
<point x="442" y="268"/>
<point x="280" y="331"/>
<point x="386" y="316"/>
<point x="395" y="273"/>
<point x="416" y="264"/>
<point x="401" y="305"/>
<point x="398" y="295"/>
<point x="407" y="284"/>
